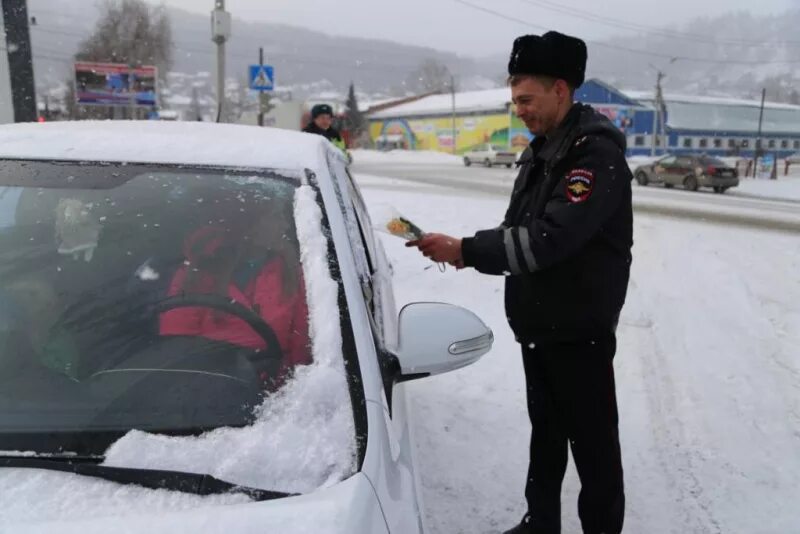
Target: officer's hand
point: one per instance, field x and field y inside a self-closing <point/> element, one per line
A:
<point x="440" y="248"/>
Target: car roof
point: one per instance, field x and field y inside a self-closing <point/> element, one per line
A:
<point x="159" y="142"/>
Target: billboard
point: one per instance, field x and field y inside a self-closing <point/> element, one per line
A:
<point x="115" y="84"/>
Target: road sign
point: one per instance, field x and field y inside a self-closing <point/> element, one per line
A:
<point x="262" y="77"/>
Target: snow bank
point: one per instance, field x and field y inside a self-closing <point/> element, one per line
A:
<point x="784" y="188"/>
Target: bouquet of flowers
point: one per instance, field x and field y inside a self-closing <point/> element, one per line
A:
<point x="390" y="221"/>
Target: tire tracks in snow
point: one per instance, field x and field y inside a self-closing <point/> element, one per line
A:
<point x="674" y="453"/>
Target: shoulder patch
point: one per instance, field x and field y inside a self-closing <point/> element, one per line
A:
<point x="579" y="184"/>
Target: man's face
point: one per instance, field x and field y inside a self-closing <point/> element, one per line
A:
<point x="324" y="121"/>
<point x="538" y="104"/>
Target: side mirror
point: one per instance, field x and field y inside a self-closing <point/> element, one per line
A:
<point x="436" y="338"/>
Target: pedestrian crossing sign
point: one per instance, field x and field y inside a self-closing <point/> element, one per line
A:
<point x="262" y="78"/>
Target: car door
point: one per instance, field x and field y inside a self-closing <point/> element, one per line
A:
<point x="400" y="490"/>
<point x="677" y="171"/>
<point x="686" y="166"/>
<point x="663" y="167"/>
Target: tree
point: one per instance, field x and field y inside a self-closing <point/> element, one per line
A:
<point x="131" y="32"/>
<point x="354" y="121"/>
<point x="430" y="76"/>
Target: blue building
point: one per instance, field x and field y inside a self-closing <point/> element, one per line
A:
<point x="716" y="126"/>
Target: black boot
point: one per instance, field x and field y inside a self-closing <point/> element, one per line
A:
<point x="524" y="527"/>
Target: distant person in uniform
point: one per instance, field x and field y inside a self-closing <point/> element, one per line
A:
<point x="322" y="124"/>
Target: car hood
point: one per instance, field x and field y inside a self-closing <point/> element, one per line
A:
<point x="348" y="507"/>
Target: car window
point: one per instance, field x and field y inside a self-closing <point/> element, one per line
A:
<point x="707" y="160"/>
<point x="669" y="160"/>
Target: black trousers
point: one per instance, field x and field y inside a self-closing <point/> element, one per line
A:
<point x="572" y="399"/>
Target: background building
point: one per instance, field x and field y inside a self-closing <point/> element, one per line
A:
<point x="717" y="126"/>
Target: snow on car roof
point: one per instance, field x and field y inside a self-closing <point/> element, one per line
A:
<point x="187" y="143"/>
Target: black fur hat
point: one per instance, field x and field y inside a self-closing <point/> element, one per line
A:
<point x="552" y="54"/>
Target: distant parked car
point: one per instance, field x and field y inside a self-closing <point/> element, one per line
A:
<point x="690" y="172"/>
<point x="490" y="155"/>
<point x="794" y="159"/>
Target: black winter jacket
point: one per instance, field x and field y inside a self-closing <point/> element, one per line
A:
<point x="565" y="243"/>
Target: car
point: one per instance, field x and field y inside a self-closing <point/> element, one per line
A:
<point x="688" y="171"/>
<point x="794" y="158"/>
<point x="199" y="334"/>
<point x="489" y="155"/>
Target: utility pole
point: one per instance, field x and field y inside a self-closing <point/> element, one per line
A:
<point x="261" y="93"/>
<point x="264" y="105"/>
<point x="758" y="140"/>
<point x="658" y="120"/>
<point x="15" y="43"/>
<point x="220" y="33"/>
<point x="132" y="89"/>
<point x="662" y="117"/>
<point x="453" y="103"/>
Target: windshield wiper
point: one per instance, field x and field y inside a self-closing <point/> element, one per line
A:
<point x="195" y="483"/>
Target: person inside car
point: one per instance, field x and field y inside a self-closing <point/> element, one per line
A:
<point x="260" y="270"/>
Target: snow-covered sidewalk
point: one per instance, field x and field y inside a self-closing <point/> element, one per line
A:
<point x="708" y="379"/>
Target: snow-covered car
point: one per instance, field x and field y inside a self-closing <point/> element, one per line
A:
<point x="688" y="171"/>
<point x="199" y="335"/>
<point x="489" y="155"/>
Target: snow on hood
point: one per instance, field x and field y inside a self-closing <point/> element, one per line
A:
<point x="189" y="143"/>
<point x="304" y="435"/>
<point x="42" y="502"/>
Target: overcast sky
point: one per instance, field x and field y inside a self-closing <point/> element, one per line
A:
<point x="453" y="26"/>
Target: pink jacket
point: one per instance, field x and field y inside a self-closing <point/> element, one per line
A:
<point x="286" y="314"/>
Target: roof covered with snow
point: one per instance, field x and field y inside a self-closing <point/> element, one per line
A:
<point x="687" y="112"/>
<point x="186" y="143"/>
<point x="467" y="102"/>
<point x="709" y="100"/>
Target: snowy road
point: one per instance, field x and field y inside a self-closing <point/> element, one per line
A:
<point x="708" y="374"/>
<point x="736" y="207"/>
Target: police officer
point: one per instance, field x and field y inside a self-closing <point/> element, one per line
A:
<point x="322" y="124"/>
<point x="565" y="249"/>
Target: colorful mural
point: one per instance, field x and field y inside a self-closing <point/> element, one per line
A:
<point x="436" y="133"/>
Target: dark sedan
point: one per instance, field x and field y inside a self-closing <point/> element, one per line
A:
<point x="690" y="172"/>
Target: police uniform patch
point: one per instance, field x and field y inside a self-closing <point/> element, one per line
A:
<point x="580" y="183"/>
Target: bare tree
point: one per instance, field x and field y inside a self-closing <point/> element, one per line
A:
<point x="430" y="76"/>
<point x="240" y="101"/>
<point x="131" y="32"/>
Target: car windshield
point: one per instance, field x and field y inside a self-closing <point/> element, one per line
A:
<point x="168" y="300"/>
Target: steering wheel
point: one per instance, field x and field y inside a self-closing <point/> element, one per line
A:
<point x="227" y="305"/>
